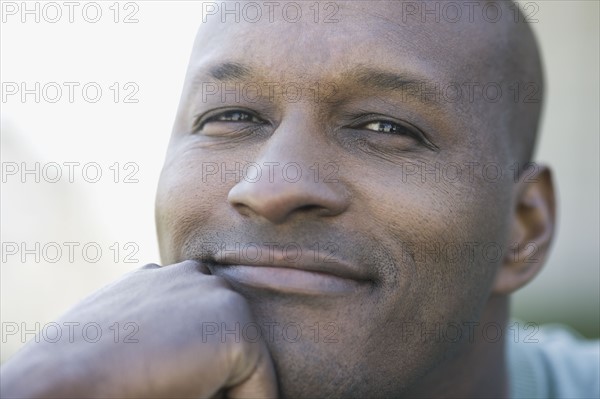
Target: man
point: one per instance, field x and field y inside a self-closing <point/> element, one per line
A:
<point x="344" y="211"/>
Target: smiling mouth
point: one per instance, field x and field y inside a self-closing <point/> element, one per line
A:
<point x="309" y="275"/>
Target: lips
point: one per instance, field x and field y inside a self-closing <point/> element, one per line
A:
<point x="307" y="271"/>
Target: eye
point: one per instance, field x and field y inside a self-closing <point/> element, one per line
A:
<point x="234" y="116"/>
<point x="379" y="124"/>
<point x="230" y="116"/>
<point x="385" y="127"/>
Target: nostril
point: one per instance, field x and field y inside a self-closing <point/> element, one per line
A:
<point x="276" y="201"/>
<point x="311" y="208"/>
<point x="242" y="209"/>
<point x="308" y="207"/>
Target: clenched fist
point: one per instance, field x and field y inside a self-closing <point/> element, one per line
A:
<point x="169" y="355"/>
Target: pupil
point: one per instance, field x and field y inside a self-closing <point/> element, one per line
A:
<point x="387" y="128"/>
<point x="236" y="116"/>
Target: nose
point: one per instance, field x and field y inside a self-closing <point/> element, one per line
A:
<point x="290" y="181"/>
<point x="278" y="199"/>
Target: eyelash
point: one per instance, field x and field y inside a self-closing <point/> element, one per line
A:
<point x="404" y="128"/>
<point x="401" y="128"/>
<point x="200" y="121"/>
<point x="361" y="122"/>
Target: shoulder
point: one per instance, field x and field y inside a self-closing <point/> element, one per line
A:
<point x="552" y="361"/>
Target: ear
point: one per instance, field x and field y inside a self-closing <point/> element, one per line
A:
<point x="532" y="229"/>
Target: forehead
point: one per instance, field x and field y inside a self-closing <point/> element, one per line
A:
<point x="450" y="62"/>
<point x="325" y="39"/>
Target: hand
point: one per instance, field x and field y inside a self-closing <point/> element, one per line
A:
<point x="165" y="308"/>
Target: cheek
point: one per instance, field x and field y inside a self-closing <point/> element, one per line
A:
<point x="440" y="231"/>
<point x="453" y="235"/>
<point x="186" y="200"/>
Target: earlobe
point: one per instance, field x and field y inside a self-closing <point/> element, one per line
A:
<point x="532" y="230"/>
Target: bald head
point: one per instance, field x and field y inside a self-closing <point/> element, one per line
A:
<point x="522" y="56"/>
<point x="508" y="50"/>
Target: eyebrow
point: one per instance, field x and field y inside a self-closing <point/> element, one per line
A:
<point x="229" y="71"/>
<point x="366" y="76"/>
<point x="380" y="79"/>
<point x="407" y="83"/>
<point x="412" y="85"/>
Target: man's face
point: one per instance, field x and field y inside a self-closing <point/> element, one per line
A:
<point x="335" y="147"/>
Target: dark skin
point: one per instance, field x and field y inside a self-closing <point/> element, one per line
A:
<point x="370" y="127"/>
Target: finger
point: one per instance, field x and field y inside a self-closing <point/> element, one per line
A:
<point x="150" y="266"/>
<point x="201" y="267"/>
<point x="262" y="383"/>
<point x="191" y="265"/>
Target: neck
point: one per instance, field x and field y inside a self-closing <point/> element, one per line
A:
<point x="478" y="369"/>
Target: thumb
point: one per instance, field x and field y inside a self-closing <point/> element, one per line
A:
<point x="262" y="382"/>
